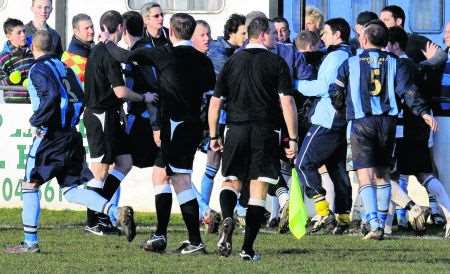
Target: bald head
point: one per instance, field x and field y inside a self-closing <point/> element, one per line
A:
<point x="42" y="42"/>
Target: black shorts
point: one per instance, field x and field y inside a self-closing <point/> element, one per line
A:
<point x="372" y="141"/>
<point x="179" y="142"/>
<point x="60" y="155"/>
<point x="412" y="157"/>
<point x="142" y="145"/>
<point x="251" y="152"/>
<point x="106" y="136"/>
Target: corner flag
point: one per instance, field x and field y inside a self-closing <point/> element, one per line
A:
<point x="298" y="214"/>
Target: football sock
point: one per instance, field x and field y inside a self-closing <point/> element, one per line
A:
<point x="92" y="216"/>
<point x="321" y="205"/>
<point x="383" y="200"/>
<point x="435" y="187"/>
<point x="275" y="207"/>
<point x="401" y="212"/>
<point x="282" y="195"/>
<point x="253" y="222"/>
<point x="433" y="204"/>
<point x="228" y="199"/>
<point x="116" y="197"/>
<point x="369" y="197"/>
<point x="203" y="207"/>
<point x="208" y="182"/>
<point x="343" y="218"/>
<point x="163" y="206"/>
<point x="189" y="210"/>
<point x="398" y="196"/>
<point x="30" y="215"/>
<point x="112" y="183"/>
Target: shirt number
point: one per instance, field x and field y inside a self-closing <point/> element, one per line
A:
<point x="375" y="82"/>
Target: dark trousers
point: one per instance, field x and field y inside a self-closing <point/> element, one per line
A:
<point x="328" y="147"/>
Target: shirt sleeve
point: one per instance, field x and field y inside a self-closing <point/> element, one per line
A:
<point x="337" y="90"/>
<point x="284" y="86"/>
<point x="113" y="72"/>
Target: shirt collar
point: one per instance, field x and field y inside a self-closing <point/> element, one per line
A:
<point x="183" y="43"/>
<point x="255" y="46"/>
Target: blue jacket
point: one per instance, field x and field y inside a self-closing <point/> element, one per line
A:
<point x="56" y="95"/>
<point x="295" y="60"/>
<point x="325" y="114"/>
<point x="219" y="52"/>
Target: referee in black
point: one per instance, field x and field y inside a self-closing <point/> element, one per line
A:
<point x="253" y="83"/>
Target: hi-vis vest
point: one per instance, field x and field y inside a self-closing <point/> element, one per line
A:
<point x="77" y="63"/>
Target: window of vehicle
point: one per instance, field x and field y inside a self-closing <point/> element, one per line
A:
<point x="366" y="5"/>
<point x="426" y="16"/>
<point x="192" y="6"/>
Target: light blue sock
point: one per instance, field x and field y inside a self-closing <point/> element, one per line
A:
<point x="362" y="211"/>
<point x="240" y="210"/>
<point x="383" y="200"/>
<point x="208" y="182"/>
<point x="369" y="197"/>
<point x="202" y="206"/>
<point x="91" y="200"/>
<point x="116" y="197"/>
<point x="401" y="212"/>
<point x="31" y="212"/>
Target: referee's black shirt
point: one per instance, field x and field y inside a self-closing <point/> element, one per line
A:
<point x="251" y="82"/>
<point x="103" y="73"/>
<point x="184" y="75"/>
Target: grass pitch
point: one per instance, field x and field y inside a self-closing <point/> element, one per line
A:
<point x="65" y="248"/>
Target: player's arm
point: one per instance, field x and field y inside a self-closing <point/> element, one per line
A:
<point x="435" y="55"/>
<point x="337" y="90"/>
<point x="215" y="104"/>
<point x="289" y="109"/>
<point x="407" y="90"/>
<point x="44" y="98"/>
<point x="119" y="54"/>
<point x="302" y="70"/>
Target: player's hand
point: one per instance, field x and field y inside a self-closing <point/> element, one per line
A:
<point x="216" y="145"/>
<point x="38" y="132"/>
<point x="292" y="150"/>
<point x="150" y="97"/>
<point x="430" y="50"/>
<point x="157" y="137"/>
<point x="104" y="35"/>
<point x="430" y="121"/>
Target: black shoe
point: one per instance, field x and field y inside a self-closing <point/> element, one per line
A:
<point x="156" y="243"/>
<point x="283" y="227"/>
<point x="273" y="223"/>
<point x="187" y="248"/>
<point x="324" y="224"/>
<point x="225" y="244"/>
<point x="213" y="222"/>
<point x="341" y="228"/>
<point x="126" y="222"/>
<point x="250" y="257"/>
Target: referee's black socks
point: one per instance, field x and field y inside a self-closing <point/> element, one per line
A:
<point x="253" y="221"/>
<point x="190" y="211"/>
<point x="228" y="199"/>
<point x="163" y="206"/>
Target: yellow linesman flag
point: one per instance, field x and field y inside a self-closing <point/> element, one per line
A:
<point x="298" y="214"/>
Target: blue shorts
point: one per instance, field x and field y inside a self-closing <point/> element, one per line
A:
<point x="372" y="141"/>
<point x="59" y="155"/>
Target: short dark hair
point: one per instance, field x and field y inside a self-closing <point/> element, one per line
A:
<point x="398" y="35"/>
<point x="183" y="25"/>
<point x="133" y="23"/>
<point x="377" y="33"/>
<point x="280" y="19"/>
<point x="306" y="38"/>
<point x="78" y="18"/>
<point x="397" y="12"/>
<point x="232" y="25"/>
<point x="42" y="40"/>
<point x="10" y="24"/>
<point x="339" y="24"/>
<point x="366" y="16"/>
<point x="257" y="26"/>
<point x="111" y="20"/>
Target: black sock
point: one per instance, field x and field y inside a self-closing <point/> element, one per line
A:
<point x="190" y="214"/>
<point x="91" y="218"/>
<point x="253" y="221"/>
<point x="163" y="205"/>
<point x="112" y="183"/>
<point x="228" y="200"/>
<point x="409" y="205"/>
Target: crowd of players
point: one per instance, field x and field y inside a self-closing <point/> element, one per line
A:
<point x="359" y="110"/>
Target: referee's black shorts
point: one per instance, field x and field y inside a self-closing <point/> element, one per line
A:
<point x="179" y="142"/>
<point x="251" y="152"/>
<point x="372" y="141"/>
<point x="106" y="135"/>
